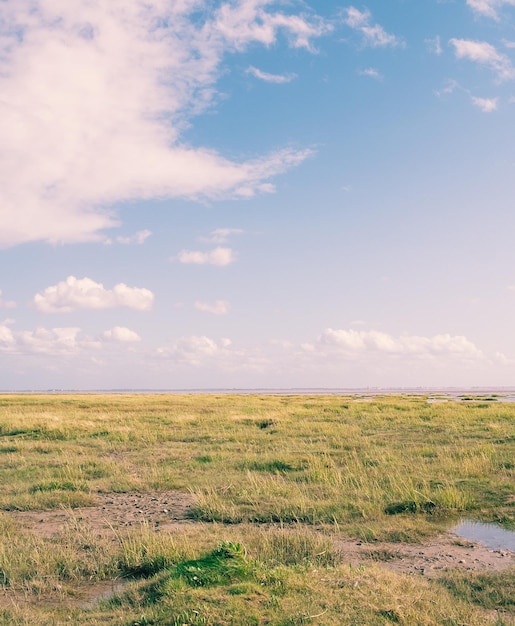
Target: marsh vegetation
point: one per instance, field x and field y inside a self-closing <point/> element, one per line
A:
<point x="217" y="509"/>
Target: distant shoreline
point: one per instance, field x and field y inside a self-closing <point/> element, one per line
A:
<point x="303" y="391"/>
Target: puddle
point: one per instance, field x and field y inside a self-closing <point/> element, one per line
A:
<point x="490" y="535"/>
<point x="102" y="591"/>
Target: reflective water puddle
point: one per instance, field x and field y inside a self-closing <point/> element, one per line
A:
<point x="490" y="535"/>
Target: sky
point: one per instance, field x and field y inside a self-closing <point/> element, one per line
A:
<point x="256" y="194"/>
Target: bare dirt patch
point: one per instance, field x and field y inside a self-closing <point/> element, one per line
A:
<point x="444" y="552"/>
<point x="113" y="511"/>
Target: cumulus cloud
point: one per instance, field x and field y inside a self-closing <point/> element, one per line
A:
<point x="489" y="8"/>
<point x="138" y="238"/>
<point x="270" y="78"/>
<point x="60" y="342"/>
<point x="485" y="54"/>
<point x="95" y="96"/>
<point x="374" y="35"/>
<point x="43" y="341"/>
<point x="121" y="334"/>
<point x="355" y="343"/>
<point x="84" y="293"/>
<point x="487" y="105"/>
<point x="6" y="304"/>
<point x="219" y="307"/>
<point x="218" y="256"/>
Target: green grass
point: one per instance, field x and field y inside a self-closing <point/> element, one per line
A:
<point x="393" y="468"/>
<point x="489" y="590"/>
<point x="253" y="458"/>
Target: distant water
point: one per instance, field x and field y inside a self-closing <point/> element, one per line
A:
<point x="435" y="394"/>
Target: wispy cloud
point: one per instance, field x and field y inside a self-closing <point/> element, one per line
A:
<point x="373" y="35"/>
<point x="220" y="256"/>
<point x="84" y="293"/>
<point x="6" y="304"/>
<point x="371" y="72"/>
<point x="270" y="78"/>
<point x="195" y="351"/>
<point x="220" y="307"/>
<point x="138" y="238"/>
<point x="489" y="8"/>
<point x="95" y="97"/>
<point x="485" y="54"/>
<point x="487" y="105"/>
<point x="450" y="86"/>
<point x="434" y="45"/>
<point x="222" y="235"/>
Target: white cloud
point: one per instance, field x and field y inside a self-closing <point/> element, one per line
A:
<point x="487" y="105"/>
<point x="371" y="72"/>
<point x="359" y="343"/>
<point x="220" y="307"/>
<point x="138" y="238"/>
<point x="85" y="293"/>
<point x="6" y="304"/>
<point x="59" y="342"/>
<point x="121" y="334"/>
<point x="222" y="235"/>
<point x="485" y="54"/>
<point x="270" y="78"/>
<point x="374" y="35"/>
<point x="95" y="96"/>
<point x="6" y="337"/>
<point x="43" y="341"/>
<point x="218" y="256"/>
<point x="489" y="8"/>
<point x="196" y="351"/>
<point x="337" y="358"/>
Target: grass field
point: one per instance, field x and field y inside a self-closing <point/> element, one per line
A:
<point x="273" y="479"/>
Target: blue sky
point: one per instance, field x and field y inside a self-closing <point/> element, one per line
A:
<point x="248" y="193"/>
